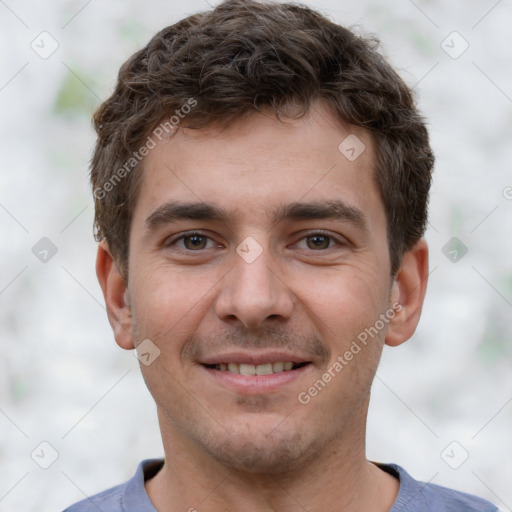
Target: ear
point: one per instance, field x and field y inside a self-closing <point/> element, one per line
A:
<point x="116" y="296"/>
<point x="408" y="290"/>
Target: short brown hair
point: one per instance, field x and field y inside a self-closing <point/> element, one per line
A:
<point x="245" y="56"/>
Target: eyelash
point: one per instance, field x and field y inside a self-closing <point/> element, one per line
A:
<point x="187" y="235"/>
<point x="333" y="238"/>
<point x="200" y="233"/>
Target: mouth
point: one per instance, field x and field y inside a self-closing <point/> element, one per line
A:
<point x="257" y="372"/>
<point x="257" y="369"/>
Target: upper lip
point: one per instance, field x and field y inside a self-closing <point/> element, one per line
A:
<point x="253" y="358"/>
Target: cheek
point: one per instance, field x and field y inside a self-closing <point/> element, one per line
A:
<point x="344" y="301"/>
<point x="169" y="305"/>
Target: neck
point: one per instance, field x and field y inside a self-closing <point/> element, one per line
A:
<point x="339" y="478"/>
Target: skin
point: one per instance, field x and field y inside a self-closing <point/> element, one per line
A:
<point x="259" y="449"/>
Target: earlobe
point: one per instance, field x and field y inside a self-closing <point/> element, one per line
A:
<point x="408" y="290"/>
<point x="116" y="296"/>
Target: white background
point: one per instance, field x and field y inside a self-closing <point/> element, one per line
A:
<point x="64" y="380"/>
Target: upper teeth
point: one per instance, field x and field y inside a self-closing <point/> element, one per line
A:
<point x="255" y="369"/>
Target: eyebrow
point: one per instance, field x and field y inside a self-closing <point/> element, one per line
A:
<point x="326" y="210"/>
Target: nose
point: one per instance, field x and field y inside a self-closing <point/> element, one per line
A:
<point x="254" y="293"/>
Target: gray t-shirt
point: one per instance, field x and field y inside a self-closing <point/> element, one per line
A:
<point x="413" y="496"/>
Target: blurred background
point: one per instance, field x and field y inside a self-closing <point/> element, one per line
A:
<point x="442" y="402"/>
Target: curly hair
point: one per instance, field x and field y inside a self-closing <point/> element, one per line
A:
<point x="242" y="57"/>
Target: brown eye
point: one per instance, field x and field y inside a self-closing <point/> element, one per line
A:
<point x="318" y="241"/>
<point x="193" y="242"/>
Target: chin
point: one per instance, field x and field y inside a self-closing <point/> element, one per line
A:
<point x="278" y="453"/>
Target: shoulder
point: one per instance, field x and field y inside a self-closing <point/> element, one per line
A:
<point x="127" y="497"/>
<point x="106" y="500"/>
<point x="441" y="498"/>
<point x="428" y="497"/>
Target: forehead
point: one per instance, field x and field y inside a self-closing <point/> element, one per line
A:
<point x="258" y="165"/>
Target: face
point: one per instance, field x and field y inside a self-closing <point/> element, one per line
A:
<point x="258" y="255"/>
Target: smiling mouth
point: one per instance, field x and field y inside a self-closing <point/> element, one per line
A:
<point x="256" y="369"/>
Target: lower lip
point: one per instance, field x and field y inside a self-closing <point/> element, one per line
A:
<point x="257" y="383"/>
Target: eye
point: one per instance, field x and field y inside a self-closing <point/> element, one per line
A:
<point x="193" y="241"/>
<point x="318" y="241"/>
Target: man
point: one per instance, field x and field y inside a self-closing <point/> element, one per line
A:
<point x="261" y="180"/>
